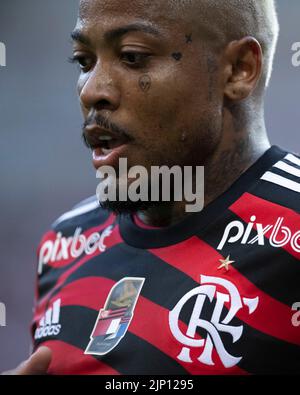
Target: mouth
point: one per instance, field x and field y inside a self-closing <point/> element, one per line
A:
<point x="107" y="146"/>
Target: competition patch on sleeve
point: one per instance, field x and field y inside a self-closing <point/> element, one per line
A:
<point x="114" y="319"/>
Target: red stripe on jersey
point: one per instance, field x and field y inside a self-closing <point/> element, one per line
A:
<point x="63" y="353"/>
<point x="194" y="258"/>
<point x="150" y="322"/>
<point x="267" y="213"/>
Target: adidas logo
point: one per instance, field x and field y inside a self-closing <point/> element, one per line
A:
<point x="49" y="325"/>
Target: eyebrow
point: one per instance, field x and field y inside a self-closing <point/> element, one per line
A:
<point x="77" y="35"/>
<point x="113" y="35"/>
<point x="134" y="27"/>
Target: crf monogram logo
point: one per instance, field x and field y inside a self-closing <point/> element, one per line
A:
<point x="208" y="291"/>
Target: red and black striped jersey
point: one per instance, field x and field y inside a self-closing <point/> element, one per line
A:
<point x="217" y="293"/>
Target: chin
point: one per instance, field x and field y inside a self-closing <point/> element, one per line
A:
<point x="128" y="207"/>
<point x="121" y="203"/>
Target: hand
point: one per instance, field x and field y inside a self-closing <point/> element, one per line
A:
<point x="37" y="364"/>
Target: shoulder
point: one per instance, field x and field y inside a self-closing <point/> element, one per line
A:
<point x="280" y="183"/>
<point x="70" y="235"/>
<point x="83" y="213"/>
<point x="267" y="214"/>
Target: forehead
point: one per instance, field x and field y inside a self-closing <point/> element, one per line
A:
<point x="160" y="12"/>
<point x="139" y="8"/>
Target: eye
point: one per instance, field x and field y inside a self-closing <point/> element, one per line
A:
<point x="85" y="63"/>
<point x="135" y="59"/>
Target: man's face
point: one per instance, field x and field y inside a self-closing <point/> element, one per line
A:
<point x="147" y="77"/>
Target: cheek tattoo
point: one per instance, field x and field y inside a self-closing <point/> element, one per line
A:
<point x="145" y="83"/>
<point x="177" y="56"/>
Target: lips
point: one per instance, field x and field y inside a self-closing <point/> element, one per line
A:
<point x="107" y="146"/>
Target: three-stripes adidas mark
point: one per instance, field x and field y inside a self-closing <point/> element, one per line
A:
<point x="49" y="325"/>
<point x="290" y="165"/>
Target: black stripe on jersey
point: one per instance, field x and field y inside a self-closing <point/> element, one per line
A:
<point x="141" y="357"/>
<point x="123" y="261"/>
<point x="165" y="286"/>
<point x="48" y="281"/>
<point x="267" y="354"/>
<point x="84" y="221"/>
<point x="51" y="275"/>
<point x="277" y="194"/>
<point x="281" y="268"/>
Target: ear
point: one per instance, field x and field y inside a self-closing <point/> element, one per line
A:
<point x="243" y="69"/>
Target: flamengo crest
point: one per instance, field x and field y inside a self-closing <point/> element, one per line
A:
<point x="207" y="291"/>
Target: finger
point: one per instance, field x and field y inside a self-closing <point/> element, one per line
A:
<point x="37" y="364"/>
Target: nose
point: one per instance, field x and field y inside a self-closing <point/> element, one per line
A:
<point x="98" y="91"/>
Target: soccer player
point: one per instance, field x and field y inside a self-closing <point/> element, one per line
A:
<point x="145" y="287"/>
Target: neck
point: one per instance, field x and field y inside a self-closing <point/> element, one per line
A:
<point x="237" y="151"/>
